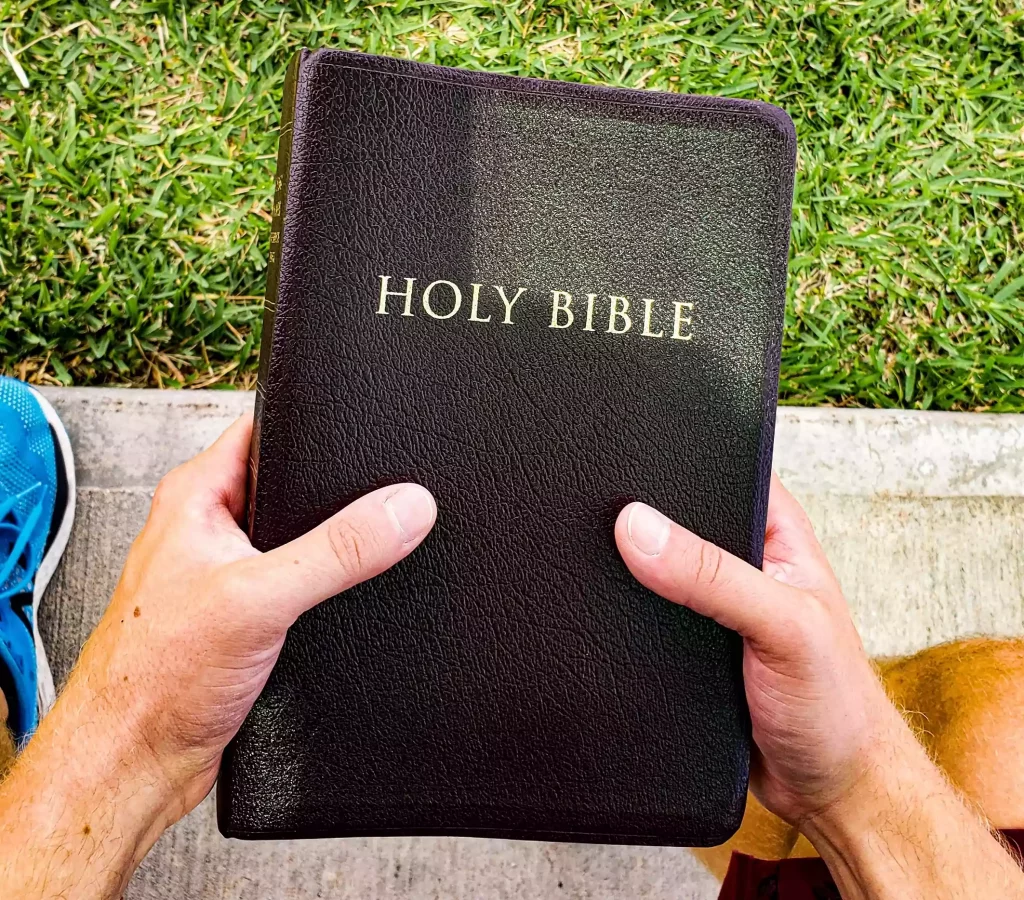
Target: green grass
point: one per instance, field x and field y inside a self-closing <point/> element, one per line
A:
<point x="137" y="166"/>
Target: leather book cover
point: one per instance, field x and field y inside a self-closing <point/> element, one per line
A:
<point x="540" y="300"/>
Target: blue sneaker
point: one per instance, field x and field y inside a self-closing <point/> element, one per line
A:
<point x="37" y="507"/>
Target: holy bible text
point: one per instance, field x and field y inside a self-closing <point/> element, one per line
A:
<point x="497" y="304"/>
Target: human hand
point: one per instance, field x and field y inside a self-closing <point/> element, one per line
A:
<point x="833" y="755"/>
<point x="818" y="711"/>
<point x="199" y="617"/>
<point x="183" y="650"/>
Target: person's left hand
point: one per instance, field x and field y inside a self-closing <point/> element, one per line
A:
<point x="199" y="616"/>
<point x="181" y="654"/>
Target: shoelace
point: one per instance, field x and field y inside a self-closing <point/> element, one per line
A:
<point x="15" y="532"/>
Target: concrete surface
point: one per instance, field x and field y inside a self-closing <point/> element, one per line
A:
<point x="920" y="514"/>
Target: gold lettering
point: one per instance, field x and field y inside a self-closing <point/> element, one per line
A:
<point x="473" y="308"/>
<point x="382" y="309"/>
<point x="426" y="299"/>
<point x="508" y="303"/>
<point x="563" y="314"/>
<point x="647" y="320"/>
<point x="619" y="313"/>
<point x="680" y="320"/>
<point x="557" y="308"/>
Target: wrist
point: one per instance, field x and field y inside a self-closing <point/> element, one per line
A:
<point x="902" y="830"/>
<point x="886" y="771"/>
<point x="871" y="827"/>
<point x="86" y="790"/>
<point x="105" y="696"/>
<point x="89" y="757"/>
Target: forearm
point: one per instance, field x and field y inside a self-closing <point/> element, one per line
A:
<point x="905" y="832"/>
<point x="80" y="808"/>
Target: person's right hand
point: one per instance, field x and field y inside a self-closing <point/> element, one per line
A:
<point x="817" y="708"/>
<point x="834" y="757"/>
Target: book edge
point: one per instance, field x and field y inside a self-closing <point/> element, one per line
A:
<point x="277" y="244"/>
<point x="769" y="113"/>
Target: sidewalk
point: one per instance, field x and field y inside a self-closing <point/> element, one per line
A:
<point x="922" y="515"/>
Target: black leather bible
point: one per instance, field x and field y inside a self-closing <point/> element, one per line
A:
<point x="540" y="300"/>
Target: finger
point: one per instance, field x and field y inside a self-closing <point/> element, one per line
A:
<point x="365" y="538"/>
<point x="786" y="516"/>
<point x="686" y="569"/>
<point x="212" y="483"/>
<point x="221" y="471"/>
<point x="792" y="552"/>
<point x="780" y="501"/>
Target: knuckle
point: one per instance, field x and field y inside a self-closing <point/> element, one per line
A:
<point x="161" y="496"/>
<point x="708" y="564"/>
<point x="354" y="546"/>
<point x="170" y="489"/>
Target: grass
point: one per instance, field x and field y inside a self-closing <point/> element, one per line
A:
<point x="137" y="164"/>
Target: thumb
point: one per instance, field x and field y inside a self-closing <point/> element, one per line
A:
<point x="369" y="535"/>
<point x="684" y="568"/>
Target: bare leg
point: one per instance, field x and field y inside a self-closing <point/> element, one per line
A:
<point x="965" y="702"/>
<point x="6" y="740"/>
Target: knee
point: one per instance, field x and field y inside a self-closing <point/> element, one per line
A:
<point x="966" y="702"/>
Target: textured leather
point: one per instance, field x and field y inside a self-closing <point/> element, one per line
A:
<point x="510" y="678"/>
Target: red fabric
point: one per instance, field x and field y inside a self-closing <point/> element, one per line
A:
<point x="796" y="879"/>
<point x="1016" y="840"/>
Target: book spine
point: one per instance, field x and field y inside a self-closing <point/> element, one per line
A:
<point x="277" y="234"/>
<point x="225" y="812"/>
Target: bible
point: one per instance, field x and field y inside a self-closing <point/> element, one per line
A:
<point x="541" y="301"/>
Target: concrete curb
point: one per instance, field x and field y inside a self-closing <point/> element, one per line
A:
<point x="129" y="438"/>
<point x="900" y="452"/>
